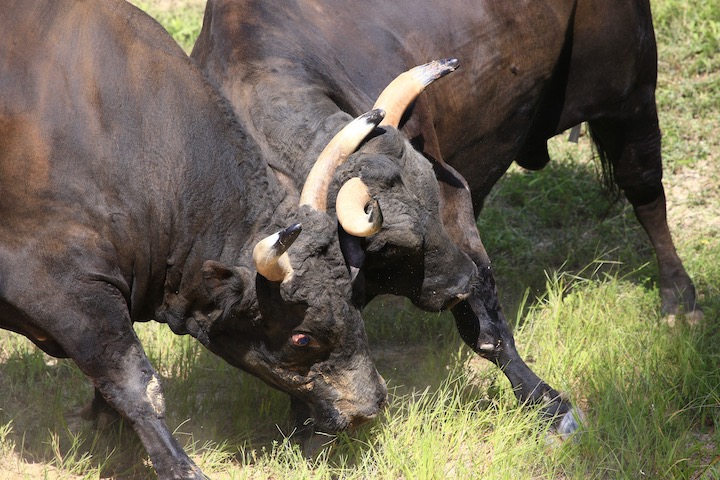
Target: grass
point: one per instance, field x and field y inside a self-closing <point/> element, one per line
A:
<point x="574" y="270"/>
<point x="181" y="18"/>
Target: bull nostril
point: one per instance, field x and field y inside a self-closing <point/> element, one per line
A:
<point x="370" y="413"/>
<point x="359" y="420"/>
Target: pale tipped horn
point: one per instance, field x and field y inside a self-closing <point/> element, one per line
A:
<point x="343" y="144"/>
<point x="402" y="91"/>
<point x="270" y="257"/>
<point x="358" y="213"/>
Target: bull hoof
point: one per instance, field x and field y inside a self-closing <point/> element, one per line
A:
<point x="570" y="424"/>
<point x="692" y="318"/>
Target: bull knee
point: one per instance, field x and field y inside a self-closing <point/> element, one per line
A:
<point x="488" y="342"/>
<point x="154" y="396"/>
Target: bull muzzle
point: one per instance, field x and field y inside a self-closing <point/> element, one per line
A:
<point x="355" y="399"/>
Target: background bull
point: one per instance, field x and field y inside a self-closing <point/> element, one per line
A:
<point x="528" y="72"/>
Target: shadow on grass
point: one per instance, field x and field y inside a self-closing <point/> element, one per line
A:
<point x="41" y="400"/>
<point x="560" y="219"/>
<point x="209" y="403"/>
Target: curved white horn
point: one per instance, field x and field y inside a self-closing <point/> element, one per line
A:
<point x="343" y="144"/>
<point x="358" y="213"/>
<point x="270" y="257"/>
<point x="402" y="91"/>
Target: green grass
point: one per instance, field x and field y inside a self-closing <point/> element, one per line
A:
<point x="181" y="18"/>
<point x="574" y="270"/>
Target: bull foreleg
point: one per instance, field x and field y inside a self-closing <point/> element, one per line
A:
<point x="131" y="386"/>
<point x="489" y="335"/>
<point x="479" y="319"/>
<point x="96" y="332"/>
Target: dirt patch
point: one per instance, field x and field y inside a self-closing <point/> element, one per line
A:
<point x="693" y="200"/>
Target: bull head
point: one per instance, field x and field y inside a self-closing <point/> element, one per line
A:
<point x="358" y="212"/>
<point x="270" y="254"/>
<point x="413" y="256"/>
<point x="307" y="337"/>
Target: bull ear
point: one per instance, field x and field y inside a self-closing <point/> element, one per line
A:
<point x="354" y="255"/>
<point x="224" y="282"/>
<point x="352" y="251"/>
<point x="227" y="287"/>
<point x="231" y="293"/>
<point x="215" y="274"/>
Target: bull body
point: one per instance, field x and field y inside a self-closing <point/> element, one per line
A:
<point x="529" y="70"/>
<point x="130" y="192"/>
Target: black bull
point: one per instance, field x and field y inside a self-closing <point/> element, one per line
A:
<point x="529" y="70"/>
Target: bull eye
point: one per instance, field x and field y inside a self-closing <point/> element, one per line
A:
<point x="300" y="340"/>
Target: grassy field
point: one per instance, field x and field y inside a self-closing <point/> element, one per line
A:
<point x="575" y="272"/>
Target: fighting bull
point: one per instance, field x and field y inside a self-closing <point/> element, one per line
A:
<point x="298" y="70"/>
<point x="130" y="192"/>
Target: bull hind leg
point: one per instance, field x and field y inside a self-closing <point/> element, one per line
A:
<point x="632" y="148"/>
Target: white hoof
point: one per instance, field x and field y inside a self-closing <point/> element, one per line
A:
<point x="695" y="317"/>
<point x="570" y="423"/>
<point x="692" y="318"/>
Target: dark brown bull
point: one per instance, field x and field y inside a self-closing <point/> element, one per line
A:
<point x="130" y="192"/>
<point x="294" y="71"/>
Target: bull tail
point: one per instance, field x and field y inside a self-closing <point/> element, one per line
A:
<point x="607" y="167"/>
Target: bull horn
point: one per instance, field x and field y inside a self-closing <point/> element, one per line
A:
<point x="358" y="213"/>
<point x="270" y="257"/>
<point x="402" y="91"/>
<point x="343" y="144"/>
